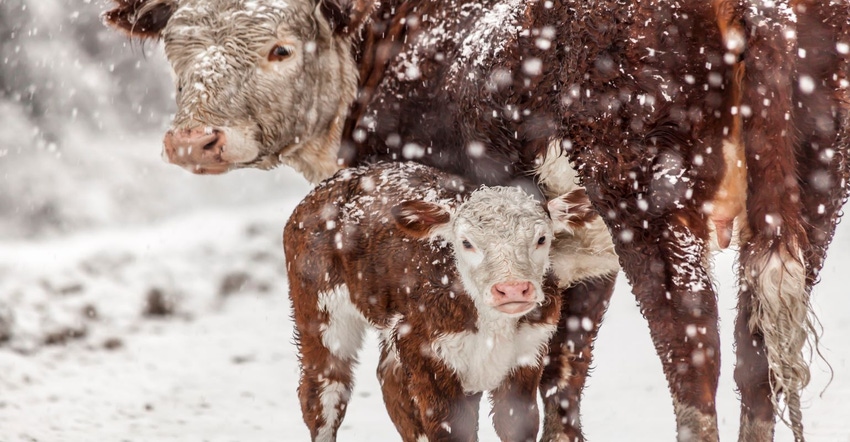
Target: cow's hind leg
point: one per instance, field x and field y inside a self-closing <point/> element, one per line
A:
<point x="780" y="260"/>
<point x="329" y="334"/>
<point x="570" y="356"/>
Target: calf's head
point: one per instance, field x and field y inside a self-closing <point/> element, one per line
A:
<point x="259" y="82"/>
<point x="501" y="238"/>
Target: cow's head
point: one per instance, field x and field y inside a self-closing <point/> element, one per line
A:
<point x="501" y="238"/>
<point x="259" y="82"/>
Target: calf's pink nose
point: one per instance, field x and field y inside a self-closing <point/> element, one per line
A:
<point x="198" y="150"/>
<point x="514" y="291"/>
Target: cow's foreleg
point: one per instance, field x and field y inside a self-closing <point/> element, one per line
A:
<point x="570" y="356"/>
<point x="670" y="279"/>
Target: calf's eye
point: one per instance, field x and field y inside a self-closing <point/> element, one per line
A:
<point x="467" y="245"/>
<point x="541" y="241"/>
<point x="280" y="52"/>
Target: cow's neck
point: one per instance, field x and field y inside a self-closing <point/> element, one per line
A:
<point x="318" y="157"/>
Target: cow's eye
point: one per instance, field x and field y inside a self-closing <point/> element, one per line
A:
<point x="280" y="53"/>
<point x="541" y="240"/>
<point x="467" y="245"/>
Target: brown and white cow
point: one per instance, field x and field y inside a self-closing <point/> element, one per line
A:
<point x="452" y="278"/>
<point x="680" y="117"/>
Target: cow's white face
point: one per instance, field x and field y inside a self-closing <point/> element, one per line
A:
<point x="268" y="74"/>
<point x="259" y="82"/>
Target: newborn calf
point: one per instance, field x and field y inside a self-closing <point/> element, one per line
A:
<point x="454" y="279"/>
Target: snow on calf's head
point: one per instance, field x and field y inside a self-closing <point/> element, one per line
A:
<point x="501" y="238"/>
<point x="259" y="82"/>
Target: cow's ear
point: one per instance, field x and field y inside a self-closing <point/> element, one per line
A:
<point x="571" y="211"/>
<point x="346" y="16"/>
<point x="140" y="18"/>
<point x="419" y="218"/>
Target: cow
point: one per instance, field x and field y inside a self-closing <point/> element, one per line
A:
<point x="453" y="277"/>
<point x="691" y="124"/>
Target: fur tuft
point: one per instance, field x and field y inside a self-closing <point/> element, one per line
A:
<point x="783" y="314"/>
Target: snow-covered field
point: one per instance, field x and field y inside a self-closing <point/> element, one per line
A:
<point x="141" y="303"/>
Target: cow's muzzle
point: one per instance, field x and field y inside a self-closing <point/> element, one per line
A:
<point x="197" y="150"/>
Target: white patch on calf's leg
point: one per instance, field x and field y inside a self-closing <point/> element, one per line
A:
<point x="781" y="313"/>
<point x="343" y="335"/>
<point x="333" y="396"/>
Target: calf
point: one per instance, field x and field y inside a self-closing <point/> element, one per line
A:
<point x="451" y="279"/>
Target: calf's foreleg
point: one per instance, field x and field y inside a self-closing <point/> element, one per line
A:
<point x="515" y="412"/>
<point x="447" y="413"/>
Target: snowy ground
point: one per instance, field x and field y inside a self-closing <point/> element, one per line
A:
<point x="87" y="358"/>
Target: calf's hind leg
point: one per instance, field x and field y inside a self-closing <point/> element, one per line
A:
<point x="328" y="333"/>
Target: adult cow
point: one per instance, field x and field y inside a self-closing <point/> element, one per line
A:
<point x="681" y="117"/>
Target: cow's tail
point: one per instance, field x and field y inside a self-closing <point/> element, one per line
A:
<point x="772" y="264"/>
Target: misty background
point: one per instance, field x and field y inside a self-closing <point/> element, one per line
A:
<point x="82" y="113"/>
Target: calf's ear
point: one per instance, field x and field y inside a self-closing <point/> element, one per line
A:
<point x="346" y="16"/>
<point x="571" y="211"/>
<point x="140" y="18"/>
<point x="419" y="218"/>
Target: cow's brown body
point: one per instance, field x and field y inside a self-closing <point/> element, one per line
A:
<point x="680" y="117"/>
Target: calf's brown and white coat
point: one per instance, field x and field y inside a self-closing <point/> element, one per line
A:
<point x="453" y="280"/>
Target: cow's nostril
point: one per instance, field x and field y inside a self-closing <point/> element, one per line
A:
<point x="211" y="145"/>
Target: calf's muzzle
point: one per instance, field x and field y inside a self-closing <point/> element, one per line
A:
<point x="513" y="297"/>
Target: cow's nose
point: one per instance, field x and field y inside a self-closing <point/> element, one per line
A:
<point x="513" y="297"/>
<point x="198" y="150"/>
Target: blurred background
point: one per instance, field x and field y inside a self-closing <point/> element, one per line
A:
<point x="82" y="113"/>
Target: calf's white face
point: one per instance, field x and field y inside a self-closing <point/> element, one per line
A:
<point x="501" y="238"/>
<point x="259" y="82"/>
